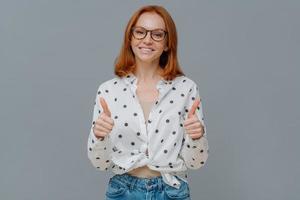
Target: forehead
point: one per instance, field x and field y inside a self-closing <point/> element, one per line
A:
<point x="150" y="20"/>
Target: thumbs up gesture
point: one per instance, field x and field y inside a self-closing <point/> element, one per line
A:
<point x="104" y="123"/>
<point x="192" y="124"/>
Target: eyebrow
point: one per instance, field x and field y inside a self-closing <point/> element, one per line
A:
<point x="150" y="29"/>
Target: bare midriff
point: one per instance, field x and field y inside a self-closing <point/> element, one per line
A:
<point x="147" y="96"/>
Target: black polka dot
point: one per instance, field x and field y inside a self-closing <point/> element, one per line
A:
<point x="115" y="99"/>
<point x="174" y="132"/>
<point x="132" y="143"/>
<point x="167" y="120"/>
<point x="120" y="136"/>
<point x="97" y="158"/>
<point x="156" y="131"/>
<point x="138" y="133"/>
<point x="171" y="101"/>
<point x="90" y="149"/>
<point x="182" y="95"/>
<point x="165" y="151"/>
<point x="124" y="106"/>
<point x="116" y="117"/>
<point x="174" y="144"/>
<point x="201" y="151"/>
<point x="135" y="114"/>
<point x="106" y="91"/>
<point x="188" y="146"/>
<point x="202" y="162"/>
<point x="160" y="111"/>
<point x="125" y="124"/>
<point x="162" y="141"/>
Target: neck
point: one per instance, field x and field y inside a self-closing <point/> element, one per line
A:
<point x="147" y="71"/>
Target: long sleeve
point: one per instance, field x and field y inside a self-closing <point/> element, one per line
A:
<point x="98" y="150"/>
<point x="194" y="151"/>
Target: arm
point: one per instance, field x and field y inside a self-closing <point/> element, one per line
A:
<point x="98" y="148"/>
<point x="194" y="151"/>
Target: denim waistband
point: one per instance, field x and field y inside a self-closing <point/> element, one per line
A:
<point x="152" y="183"/>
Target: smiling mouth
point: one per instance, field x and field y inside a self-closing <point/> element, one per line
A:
<point x="146" y="49"/>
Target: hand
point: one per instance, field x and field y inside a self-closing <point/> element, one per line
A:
<point x="104" y="123"/>
<point x="192" y="124"/>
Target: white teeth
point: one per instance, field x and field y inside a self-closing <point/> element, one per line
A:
<point x="146" y="50"/>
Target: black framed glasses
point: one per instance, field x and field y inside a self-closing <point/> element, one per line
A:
<point x="140" y="33"/>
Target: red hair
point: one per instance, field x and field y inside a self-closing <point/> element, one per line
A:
<point x="125" y="62"/>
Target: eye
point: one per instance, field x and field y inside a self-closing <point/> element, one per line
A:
<point x="139" y="32"/>
<point x="158" y="34"/>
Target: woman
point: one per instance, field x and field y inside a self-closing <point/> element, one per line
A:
<point x="148" y="123"/>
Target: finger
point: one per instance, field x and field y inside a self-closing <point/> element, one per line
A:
<point x="104" y="123"/>
<point x="105" y="106"/>
<point x="195" y="131"/>
<point x="191" y="120"/>
<point x="193" y="126"/>
<point x="196" y="136"/>
<point x="193" y="108"/>
<point x="106" y="118"/>
<point x="103" y="129"/>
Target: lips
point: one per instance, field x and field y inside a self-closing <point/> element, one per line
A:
<point x="146" y="48"/>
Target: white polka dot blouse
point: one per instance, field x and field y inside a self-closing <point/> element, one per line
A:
<point x="170" y="149"/>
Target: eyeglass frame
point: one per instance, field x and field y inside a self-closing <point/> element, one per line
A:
<point x="147" y="30"/>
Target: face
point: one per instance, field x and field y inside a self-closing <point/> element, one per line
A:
<point x="147" y="49"/>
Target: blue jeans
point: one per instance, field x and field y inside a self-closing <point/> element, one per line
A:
<point x="128" y="187"/>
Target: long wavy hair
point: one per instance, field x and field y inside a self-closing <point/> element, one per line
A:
<point x="125" y="62"/>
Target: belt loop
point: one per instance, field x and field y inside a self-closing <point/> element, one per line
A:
<point x="160" y="184"/>
<point x="132" y="183"/>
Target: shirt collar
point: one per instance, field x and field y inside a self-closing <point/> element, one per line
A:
<point x="132" y="79"/>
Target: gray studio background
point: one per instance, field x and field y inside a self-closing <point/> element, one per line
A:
<point x="243" y="54"/>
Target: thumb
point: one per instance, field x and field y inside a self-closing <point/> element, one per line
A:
<point x="193" y="108"/>
<point x="105" y="106"/>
